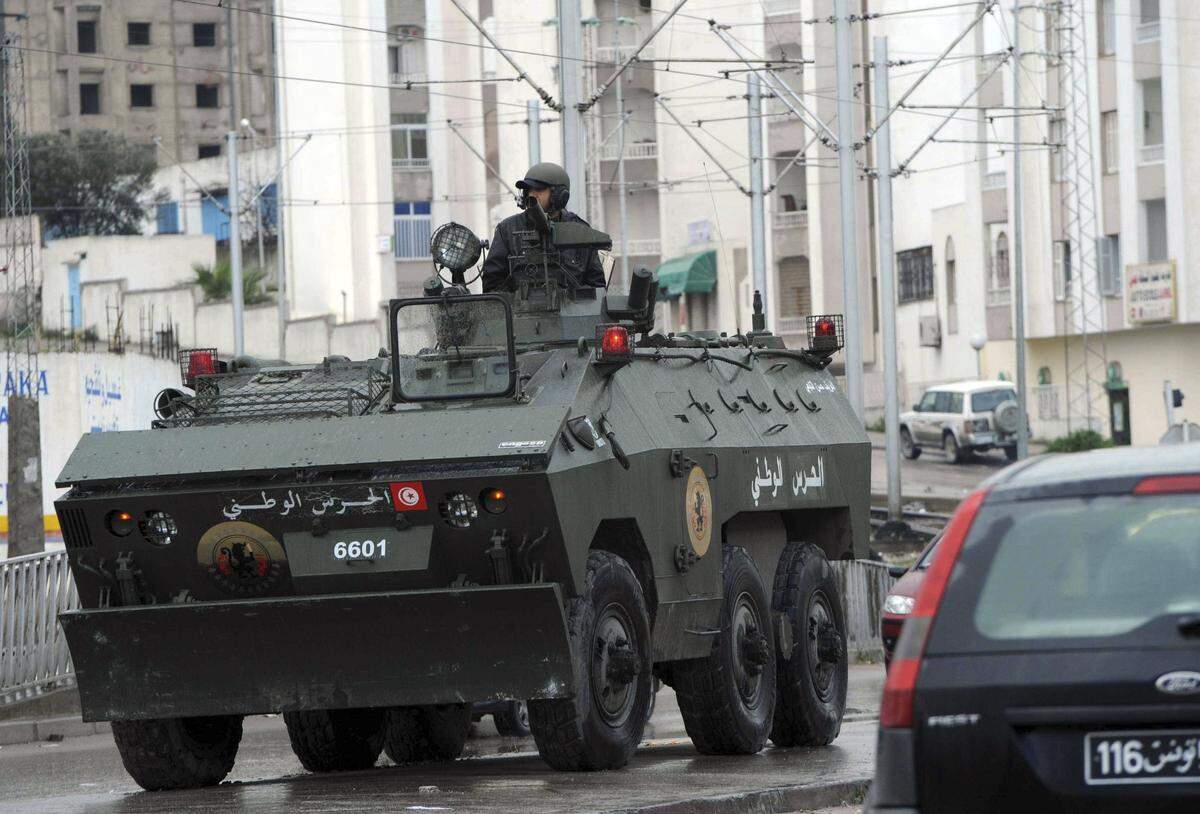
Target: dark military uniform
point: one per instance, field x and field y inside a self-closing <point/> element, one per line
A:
<point x="583" y="264"/>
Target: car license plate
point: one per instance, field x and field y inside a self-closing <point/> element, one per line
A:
<point x="983" y="438"/>
<point x="358" y="551"/>
<point x="1150" y="756"/>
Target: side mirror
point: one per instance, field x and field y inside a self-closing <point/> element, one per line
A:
<point x="897" y="571"/>
<point x="916" y="408"/>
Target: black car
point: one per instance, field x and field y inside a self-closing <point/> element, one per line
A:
<point x="1052" y="660"/>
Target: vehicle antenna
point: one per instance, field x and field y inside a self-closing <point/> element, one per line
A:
<point x="737" y="317"/>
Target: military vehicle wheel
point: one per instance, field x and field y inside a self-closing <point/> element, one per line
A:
<point x="907" y="448"/>
<point x="427" y="733"/>
<point x="178" y="753"/>
<point x="336" y="740"/>
<point x="812" y="681"/>
<point x="728" y="698"/>
<point x="514" y="720"/>
<point x="609" y="630"/>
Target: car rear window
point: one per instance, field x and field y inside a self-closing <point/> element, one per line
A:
<point x="1039" y="573"/>
<point x="987" y="400"/>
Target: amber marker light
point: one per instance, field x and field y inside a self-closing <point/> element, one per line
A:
<point x="495" y="501"/>
<point x="121" y="522"/>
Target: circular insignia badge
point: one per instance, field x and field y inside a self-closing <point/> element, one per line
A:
<point x="698" y="513"/>
<point x="240" y="557"/>
<point x="408" y="496"/>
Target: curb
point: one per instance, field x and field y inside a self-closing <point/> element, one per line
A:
<point x="50" y="729"/>
<point x="761" y="801"/>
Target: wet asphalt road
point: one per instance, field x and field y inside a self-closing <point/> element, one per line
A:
<point x="932" y="473"/>
<point x="501" y="774"/>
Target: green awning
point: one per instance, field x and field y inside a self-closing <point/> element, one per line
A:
<point x="690" y="274"/>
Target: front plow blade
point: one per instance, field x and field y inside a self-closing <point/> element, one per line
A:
<point x="320" y="652"/>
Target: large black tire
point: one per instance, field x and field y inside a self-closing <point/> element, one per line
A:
<point x="1010" y="453"/>
<point x="336" y="740"/>
<point x="728" y="697"/>
<point x="513" y="720"/>
<point x="426" y="734"/>
<point x="813" y="680"/>
<point x="955" y="454"/>
<point x="908" y="447"/>
<point x="178" y="753"/>
<point x="609" y="631"/>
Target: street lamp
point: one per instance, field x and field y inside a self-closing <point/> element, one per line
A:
<point x="977" y="342"/>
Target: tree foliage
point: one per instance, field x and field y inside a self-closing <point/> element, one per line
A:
<point x="217" y="282"/>
<point x="89" y="183"/>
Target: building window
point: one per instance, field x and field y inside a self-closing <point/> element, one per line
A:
<point x="406" y="57"/>
<point x="1106" y="19"/>
<point x="141" y="96"/>
<point x="1150" y="91"/>
<point x="1001" y="273"/>
<point x="166" y="217"/>
<point x="1148" y="21"/>
<point x="204" y="35"/>
<point x="89" y="98"/>
<point x="795" y="287"/>
<point x="1062" y="269"/>
<point x="1155" y="213"/>
<point x="137" y="33"/>
<point x="85" y="37"/>
<point x="951" y="288"/>
<point x="411" y="224"/>
<point x="208" y="96"/>
<point x="1108" y="250"/>
<point x="410" y="141"/>
<point x="1109" y="143"/>
<point x="208" y="150"/>
<point x="916" y="274"/>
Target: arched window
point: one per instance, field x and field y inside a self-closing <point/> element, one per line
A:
<point x="789" y="203"/>
<point x="1001" y="274"/>
<point x="1044" y="376"/>
<point x="795" y="288"/>
<point x="951" y="288"/>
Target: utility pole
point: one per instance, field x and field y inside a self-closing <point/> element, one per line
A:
<point x="844" y="59"/>
<point x="235" y="245"/>
<point x="235" y="191"/>
<point x="887" y="281"/>
<point x="758" y="235"/>
<point x="617" y="59"/>
<point x="22" y="322"/>
<point x="533" y="110"/>
<point x="570" y="71"/>
<point x="280" y="259"/>
<point x="1018" y="229"/>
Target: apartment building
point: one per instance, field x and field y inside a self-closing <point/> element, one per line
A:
<point x="147" y="69"/>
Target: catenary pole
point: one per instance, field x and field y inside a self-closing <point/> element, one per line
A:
<point x="844" y="59"/>
<point x="758" y="246"/>
<point x="533" y="111"/>
<point x="570" y="70"/>
<point x="235" y="244"/>
<point x="1018" y="237"/>
<point x="280" y="259"/>
<point x="887" y="282"/>
<point x="621" y="212"/>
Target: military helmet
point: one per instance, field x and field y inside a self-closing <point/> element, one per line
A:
<point x="549" y="174"/>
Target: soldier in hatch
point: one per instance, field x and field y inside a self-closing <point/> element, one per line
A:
<point x="550" y="185"/>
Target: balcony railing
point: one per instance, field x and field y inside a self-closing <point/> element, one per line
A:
<point x="773" y="8"/>
<point x="645" y="149"/>
<point x="791" y="220"/>
<point x="402" y="79"/>
<point x="1148" y="31"/>
<point x="410" y="164"/>
<point x="998" y="296"/>
<point x="639" y="246"/>
<point x="1151" y="153"/>
<point x="792" y="325"/>
<point x="619" y="53"/>
<point x="410" y="235"/>
<point x="995" y="180"/>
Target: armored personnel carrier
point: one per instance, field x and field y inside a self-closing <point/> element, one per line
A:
<point x="530" y="495"/>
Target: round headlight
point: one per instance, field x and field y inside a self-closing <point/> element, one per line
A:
<point x="120" y="522"/>
<point x="898" y="605"/>
<point x="159" y="528"/>
<point x="459" y="510"/>
<point x="495" y="501"/>
<point x="454" y="246"/>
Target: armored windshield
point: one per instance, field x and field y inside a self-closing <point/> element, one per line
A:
<point x="452" y="347"/>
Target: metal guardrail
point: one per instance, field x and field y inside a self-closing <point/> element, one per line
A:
<point x="33" y="652"/>
<point x="34" y="589"/>
<point x="865" y="584"/>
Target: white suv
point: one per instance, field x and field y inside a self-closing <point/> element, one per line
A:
<point x="962" y="418"/>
